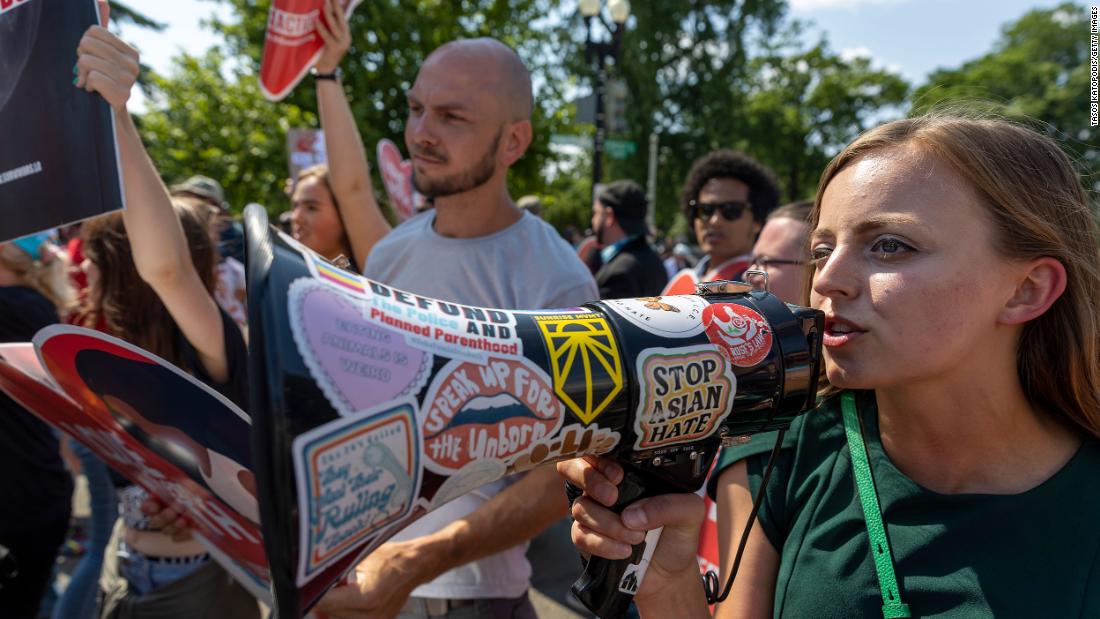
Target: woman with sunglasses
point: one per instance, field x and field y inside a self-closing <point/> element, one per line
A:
<point x="726" y="198"/>
<point x="950" y="468"/>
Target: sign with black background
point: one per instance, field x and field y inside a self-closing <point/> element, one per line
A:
<point x="58" y="158"/>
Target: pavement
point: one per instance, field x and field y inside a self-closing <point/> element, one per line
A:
<point x="555" y="565"/>
<point x="554" y="561"/>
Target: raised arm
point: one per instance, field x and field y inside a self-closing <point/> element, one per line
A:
<point x="347" y="161"/>
<point x="109" y="66"/>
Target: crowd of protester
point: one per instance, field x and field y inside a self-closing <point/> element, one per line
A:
<point x="971" y="289"/>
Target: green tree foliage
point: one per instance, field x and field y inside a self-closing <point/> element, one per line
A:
<point x="1037" y="72"/>
<point x="702" y="74"/>
<point x="802" y="106"/>
<point x="204" y="122"/>
<point x="567" y="198"/>
<point x="708" y="75"/>
<point x="685" y="65"/>
<point x="121" y="13"/>
<point x="391" y="38"/>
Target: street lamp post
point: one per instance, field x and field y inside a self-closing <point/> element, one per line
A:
<point x="600" y="52"/>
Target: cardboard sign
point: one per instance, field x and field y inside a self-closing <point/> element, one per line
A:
<point x="58" y="157"/>
<point x="397" y="178"/>
<point x="305" y="149"/>
<point x="170" y="434"/>
<point x="292" y="45"/>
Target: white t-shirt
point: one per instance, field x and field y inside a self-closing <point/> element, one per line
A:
<point x="525" y="266"/>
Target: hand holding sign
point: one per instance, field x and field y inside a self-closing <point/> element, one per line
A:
<point x="166" y="519"/>
<point x="335" y="34"/>
<point x="105" y="64"/>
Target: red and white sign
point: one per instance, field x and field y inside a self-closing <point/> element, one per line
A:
<point x="292" y="45"/>
<point x="741" y="334"/>
<point x="397" y="178"/>
<point x="7" y="5"/>
<point x="306" y="148"/>
<point x="119" y="401"/>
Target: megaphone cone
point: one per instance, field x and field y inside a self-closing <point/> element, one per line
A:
<point x="372" y="406"/>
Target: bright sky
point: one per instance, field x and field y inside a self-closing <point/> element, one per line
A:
<point x="910" y="36"/>
<point x="914" y="37"/>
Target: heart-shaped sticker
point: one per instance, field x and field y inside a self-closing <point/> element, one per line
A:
<point x="357" y="363"/>
<point x="397" y="177"/>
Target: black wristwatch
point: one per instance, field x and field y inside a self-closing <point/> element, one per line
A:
<point x="335" y="75"/>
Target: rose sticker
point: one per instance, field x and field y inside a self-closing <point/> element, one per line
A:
<point x="740" y="333"/>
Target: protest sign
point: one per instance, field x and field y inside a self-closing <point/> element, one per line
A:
<point x="175" y="437"/>
<point x="58" y="157"/>
<point x="292" y="45"/>
<point x="306" y="148"/>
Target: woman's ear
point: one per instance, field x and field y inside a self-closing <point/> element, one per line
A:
<point x="1043" y="281"/>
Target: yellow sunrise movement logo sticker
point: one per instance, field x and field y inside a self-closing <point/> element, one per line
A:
<point x="587" y="371"/>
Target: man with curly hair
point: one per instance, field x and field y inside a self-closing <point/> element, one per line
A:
<point x="726" y="198"/>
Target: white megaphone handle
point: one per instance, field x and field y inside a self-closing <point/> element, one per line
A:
<point x="635" y="573"/>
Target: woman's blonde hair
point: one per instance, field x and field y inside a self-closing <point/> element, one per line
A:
<point x="1034" y="197"/>
<point x="48" y="273"/>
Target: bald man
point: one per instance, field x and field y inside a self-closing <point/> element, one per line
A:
<point x="469" y="121"/>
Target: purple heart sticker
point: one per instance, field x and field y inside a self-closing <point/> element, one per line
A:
<point x="358" y="364"/>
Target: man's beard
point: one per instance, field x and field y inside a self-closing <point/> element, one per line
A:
<point x="473" y="177"/>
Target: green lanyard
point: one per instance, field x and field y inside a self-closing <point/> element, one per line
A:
<point x="892" y="606"/>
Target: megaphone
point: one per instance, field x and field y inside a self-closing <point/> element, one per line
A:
<point x="372" y="406"/>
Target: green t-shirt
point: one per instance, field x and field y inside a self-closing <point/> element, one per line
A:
<point x="1034" y="554"/>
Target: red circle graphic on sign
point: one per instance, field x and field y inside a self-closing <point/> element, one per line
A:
<point x="739" y="332"/>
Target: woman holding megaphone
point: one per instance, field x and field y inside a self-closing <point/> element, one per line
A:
<point x="954" y="456"/>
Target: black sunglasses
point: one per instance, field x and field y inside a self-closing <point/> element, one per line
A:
<point x="730" y="210"/>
